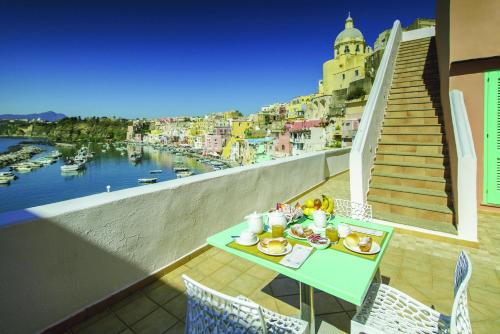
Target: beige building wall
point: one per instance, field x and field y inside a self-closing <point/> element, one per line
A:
<point x="468" y="44"/>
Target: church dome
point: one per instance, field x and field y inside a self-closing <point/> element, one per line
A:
<point x="349" y="33"/>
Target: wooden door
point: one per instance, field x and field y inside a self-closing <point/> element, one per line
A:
<point x="492" y="137"/>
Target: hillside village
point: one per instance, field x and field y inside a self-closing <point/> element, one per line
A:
<point x="328" y="118"/>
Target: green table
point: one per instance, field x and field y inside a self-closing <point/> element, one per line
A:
<point x="340" y="274"/>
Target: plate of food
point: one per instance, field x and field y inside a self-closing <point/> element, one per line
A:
<point x="299" y="232"/>
<point x="361" y="245"/>
<point x="274" y="246"/>
<point x="317" y="241"/>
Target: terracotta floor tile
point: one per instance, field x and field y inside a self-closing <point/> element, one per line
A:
<point x="135" y="310"/>
<point x="177" y="306"/>
<point x="155" y="323"/>
<point x="108" y="324"/>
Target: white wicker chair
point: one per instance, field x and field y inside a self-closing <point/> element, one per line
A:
<point x="387" y="310"/>
<point x="346" y="208"/>
<point x="209" y="311"/>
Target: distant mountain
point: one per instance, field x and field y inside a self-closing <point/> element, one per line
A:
<point x="49" y="116"/>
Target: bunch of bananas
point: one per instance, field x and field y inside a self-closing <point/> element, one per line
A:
<point x="327" y="203"/>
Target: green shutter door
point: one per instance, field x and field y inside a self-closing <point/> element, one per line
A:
<point x="492" y="137"/>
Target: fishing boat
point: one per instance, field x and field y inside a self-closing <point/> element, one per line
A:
<point x="148" y="180"/>
<point x="8" y="175"/>
<point x="4" y="181"/>
<point x="181" y="169"/>
<point x="184" y="174"/>
<point x="72" y="167"/>
<point x="155" y="171"/>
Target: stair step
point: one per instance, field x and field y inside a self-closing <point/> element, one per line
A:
<point x="410" y="121"/>
<point x="412" y="204"/>
<point x="424" y="40"/>
<point x="411" y="164"/>
<point x="416" y="62"/>
<point x="391" y="106"/>
<point x="417" y="80"/>
<point x="398" y="99"/>
<point x="410" y="168"/>
<point x="423" y="93"/>
<point x="423" y="73"/>
<point x="408" y="180"/>
<point x="418" y="55"/>
<point x="430" y="155"/>
<point x="416" y="221"/>
<point x="417" y="68"/>
<point x="414" y="137"/>
<point x="411" y="129"/>
<point x="400" y="157"/>
<point x="421" y="195"/>
<point x="400" y="146"/>
<point x="406" y="84"/>
<point x="412" y="113"/>
<point x="422" y="52"/>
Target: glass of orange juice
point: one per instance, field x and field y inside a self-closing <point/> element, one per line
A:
<point x="277" y="230"/>
<point x="332" y="234"/>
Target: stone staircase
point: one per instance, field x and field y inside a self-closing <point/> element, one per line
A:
<point x="410" y="181"/>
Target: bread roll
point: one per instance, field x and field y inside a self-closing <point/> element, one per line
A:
<point x="275" y="247"/>
<point x="365" y="244"/>
<point x="352" y="240"/>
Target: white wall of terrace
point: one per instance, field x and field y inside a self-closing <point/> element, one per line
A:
<point x="60" y="258"/>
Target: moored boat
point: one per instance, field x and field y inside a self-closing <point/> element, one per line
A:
<point x="156" y="171"/>
<point x="8" y="175"/>
<point x="184" y="174"/>
<point x="148" y="180"/>
<point x="72" y="167"/>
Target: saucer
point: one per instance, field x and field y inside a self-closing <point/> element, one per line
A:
<point x="247" y="243"/>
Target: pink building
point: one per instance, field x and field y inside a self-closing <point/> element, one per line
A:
<point x="282" y="144"/>
<point x="305" y="124"/>
<point x="224" y="131"/>
<point x="213" y="143"/>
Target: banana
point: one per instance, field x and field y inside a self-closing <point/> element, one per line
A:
<point x="324" y="203"/>
<point x="331" y="204"/>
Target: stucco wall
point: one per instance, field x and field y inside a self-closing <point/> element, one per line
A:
<point x="473" y="87"/>
<point x="465" y="35"/>
<point x="58" y="258"/>
<point x="473" y="29"/>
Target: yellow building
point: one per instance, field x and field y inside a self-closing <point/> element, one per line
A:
<point x="238" y="128"/>
<point x="297" y="106"/>
<point x="350" y="53"/>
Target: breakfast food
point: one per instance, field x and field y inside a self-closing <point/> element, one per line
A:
<point x="264" y="243"/>
<point x="365" y="244"/>
<point x="276" y="247"/>
<point x="324" y="203"/>
<point x="318" y="241"/>
<point x="352" y="240"/>
<point x="300" y="232"/>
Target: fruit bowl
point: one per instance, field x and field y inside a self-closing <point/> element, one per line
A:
<point x="318" y="242"/>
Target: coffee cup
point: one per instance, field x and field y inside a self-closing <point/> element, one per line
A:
<point x="319" y="217"/>
<point x="344" y="230"/>
<point x="255" y="223"/>
<point x="247" y="236"/>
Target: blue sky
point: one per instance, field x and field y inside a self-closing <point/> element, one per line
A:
<point x="168" y="58"/>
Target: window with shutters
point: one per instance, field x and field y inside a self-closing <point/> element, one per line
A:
<point x="492" y="138"/>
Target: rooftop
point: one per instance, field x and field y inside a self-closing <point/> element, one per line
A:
<point x="421" y="267"/>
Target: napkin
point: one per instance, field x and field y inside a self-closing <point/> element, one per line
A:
<point x="297" y="256"/>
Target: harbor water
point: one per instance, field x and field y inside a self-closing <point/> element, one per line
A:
<point x="48" y="184"/>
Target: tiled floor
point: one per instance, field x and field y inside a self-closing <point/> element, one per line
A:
<point x="422" y="268"/>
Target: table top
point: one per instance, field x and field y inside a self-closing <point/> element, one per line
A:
<point x="340" y="274"/>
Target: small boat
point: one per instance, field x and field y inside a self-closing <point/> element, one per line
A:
<point x="184" y="174"/>
<point x="181" y="169"/>
<point x="156" y="171"/>
<point x="148" y="180"/>
<point x="71" y="167"/>
<point x="23" y="168"/>
<point x="4" y="181"/>
<point x="8" y="175"/>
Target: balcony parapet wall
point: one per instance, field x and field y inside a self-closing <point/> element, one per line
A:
<point x="60" y="258"/>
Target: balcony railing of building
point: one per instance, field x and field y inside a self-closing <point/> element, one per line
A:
<point x="61" y="258"/>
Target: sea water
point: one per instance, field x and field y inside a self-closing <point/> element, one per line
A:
<point x="48" y="184"/>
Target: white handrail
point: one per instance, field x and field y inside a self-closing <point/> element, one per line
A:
<point x="466" y="198"/>
<point x="365" y="142"/>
